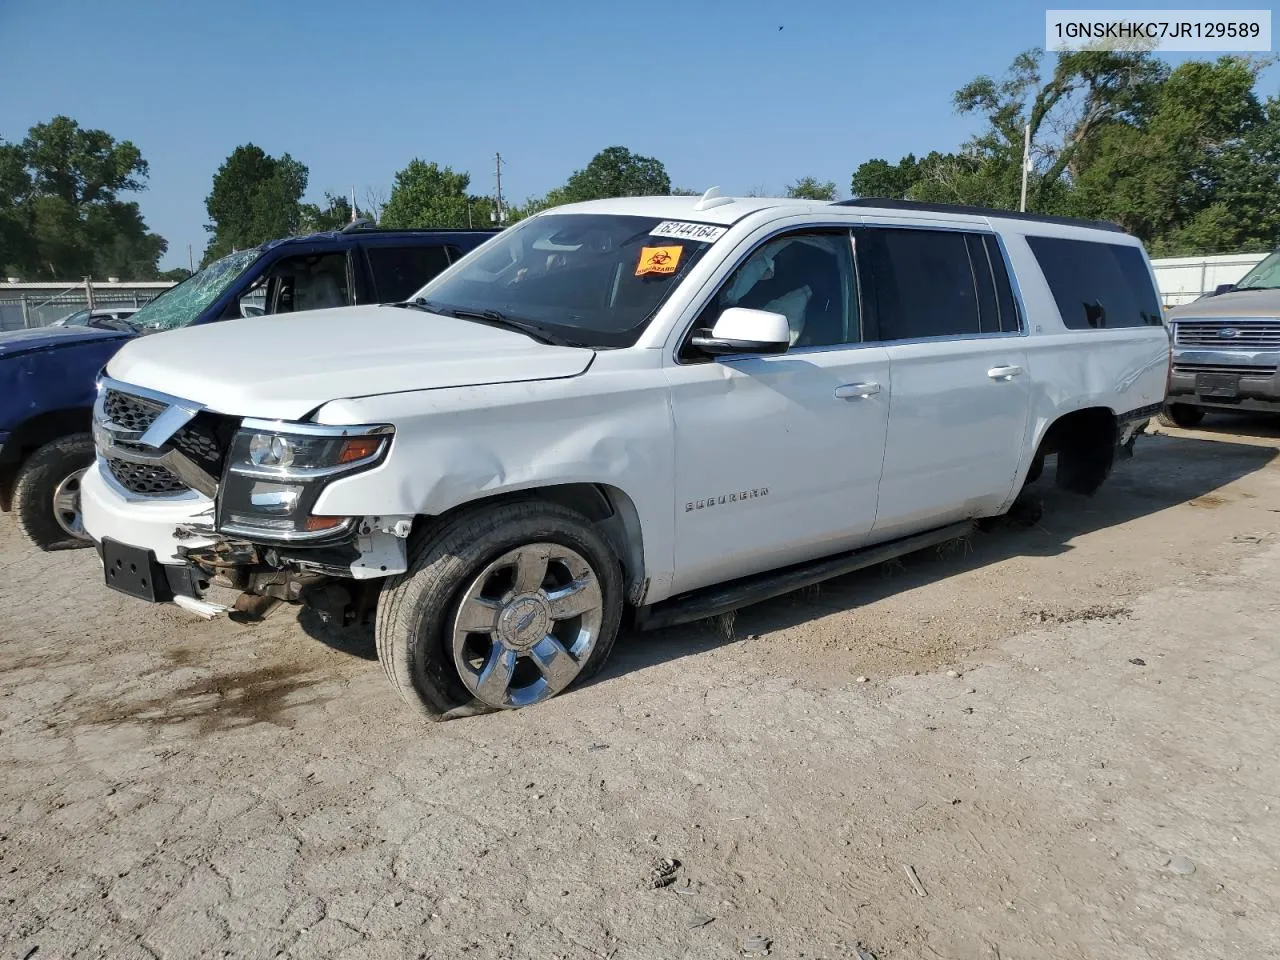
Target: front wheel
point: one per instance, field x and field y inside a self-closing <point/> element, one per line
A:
<point x="46" y="494"/>
<point x="501" y="607"/>
<point x="1180" y="415"/>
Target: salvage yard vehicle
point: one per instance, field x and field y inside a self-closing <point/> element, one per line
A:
<point x="1226" y="349"/>
<point x="47" y="375"/>
<point x="660" y="407"/>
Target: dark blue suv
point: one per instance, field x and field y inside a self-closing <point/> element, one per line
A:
<point x="47" y="375"/>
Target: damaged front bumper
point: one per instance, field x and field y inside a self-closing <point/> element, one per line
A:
<point x="167" y="550"/>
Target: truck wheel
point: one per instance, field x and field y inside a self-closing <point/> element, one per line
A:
<point x="501" y="607"/>
<point x="1034" y="471"/>
<point x="46" y="495"/>
<point x="1180" y="415"/>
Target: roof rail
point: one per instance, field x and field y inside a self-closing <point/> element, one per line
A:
<point x="925" y="207"/>
<point x="364" y="223"/>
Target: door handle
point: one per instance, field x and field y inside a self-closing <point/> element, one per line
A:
<point x="857" y="391"/>
<point x="1005" y="372"/>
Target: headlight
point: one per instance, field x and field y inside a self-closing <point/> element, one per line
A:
<point x="276" y="471"/>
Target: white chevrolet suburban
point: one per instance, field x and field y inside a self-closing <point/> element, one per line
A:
<point x="665" y="407"/>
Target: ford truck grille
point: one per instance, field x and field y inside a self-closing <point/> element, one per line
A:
<point x="1239" y="369"/>
<point x="1228" y="334"/>
<point x="145" y="479"/>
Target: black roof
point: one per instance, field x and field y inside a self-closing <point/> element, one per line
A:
<point x="923" y="207"/>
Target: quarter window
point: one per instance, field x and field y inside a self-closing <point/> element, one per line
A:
<point x="1097" y="285"/>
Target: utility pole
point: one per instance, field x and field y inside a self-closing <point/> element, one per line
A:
<point x="498" y="217"/>
<point x="353" y="204"/>
<point x="1026" y="164"/>
<point x="191" y="262"/>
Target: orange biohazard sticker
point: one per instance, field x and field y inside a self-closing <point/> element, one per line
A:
<point x="658" y="260"/>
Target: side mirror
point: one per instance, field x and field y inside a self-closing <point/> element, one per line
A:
<point x="740" y="330"/>
<point x="1223" y="288"/>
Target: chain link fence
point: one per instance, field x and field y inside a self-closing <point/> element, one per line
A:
<point x="39" y="309"/>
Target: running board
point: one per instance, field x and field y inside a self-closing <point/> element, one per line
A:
<point x="713" y="601"/>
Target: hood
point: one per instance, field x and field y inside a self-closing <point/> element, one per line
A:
<point x="283" y="367"/>
<point x="1235" y="304"/>
<point x="45" y="338"/>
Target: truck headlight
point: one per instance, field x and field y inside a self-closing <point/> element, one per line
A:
<point x="276" y="471"/>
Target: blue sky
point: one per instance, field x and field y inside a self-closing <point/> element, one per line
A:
<point x="355" y="90"/>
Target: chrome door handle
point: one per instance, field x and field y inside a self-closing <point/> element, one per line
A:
<point x="857" y="391"/>
<point x="1006" y="372"/>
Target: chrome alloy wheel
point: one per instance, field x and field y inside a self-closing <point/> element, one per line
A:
<point x="66" y="505"/>
<point x="527" y="624"/>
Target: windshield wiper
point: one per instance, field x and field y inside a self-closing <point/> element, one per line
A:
<point x="493" y="318"/>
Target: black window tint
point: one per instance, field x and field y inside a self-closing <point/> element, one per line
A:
<point x="988" y="308"/>
<point x="1097" y="285"/>
<point x="398" y="272"/>
<point x="1009" y="320"/>
<point x="922" y="283"/>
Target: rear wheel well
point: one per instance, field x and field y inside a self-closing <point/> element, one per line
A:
<point x="30" y="435"/>
<point x="609" y="509"/>
<point x="1085" y="442"/>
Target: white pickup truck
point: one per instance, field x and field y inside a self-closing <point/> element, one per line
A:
<point x="665" y="407"/>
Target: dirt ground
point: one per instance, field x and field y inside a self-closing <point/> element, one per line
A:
<point x="1067" y="732"/>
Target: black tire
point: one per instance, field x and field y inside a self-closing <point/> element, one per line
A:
<point x="1180" y="415"/>
<point x="1034" y="471"/>
<point x="415" y="608"/>
<point x="38" y="479"/>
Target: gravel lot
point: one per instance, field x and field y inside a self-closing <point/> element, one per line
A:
<point x="1068" y="732"/>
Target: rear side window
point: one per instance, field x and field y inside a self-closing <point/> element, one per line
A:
<point x="934" y="283"/>
<point x="400" y="271"/>
<point x="1097" y="286"/>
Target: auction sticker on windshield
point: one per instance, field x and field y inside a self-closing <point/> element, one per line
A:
<point x="658" y="260"/>
<point x="683" y="230"/>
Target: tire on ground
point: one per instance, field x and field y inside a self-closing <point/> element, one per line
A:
<point x="415" y="608"/>
<point x="36" y="482"/>
<point x="1180" y="415"/>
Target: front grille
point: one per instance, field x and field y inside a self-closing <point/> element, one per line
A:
<point x="1248" y="334"/>
<point x="145" y="479"/>
<point x="129" y="412"/>
<point x="199" y="441"/>
<point x="1238" y="369"/>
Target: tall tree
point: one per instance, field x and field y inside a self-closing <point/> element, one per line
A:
<point x="255" y="198"/>
<point x="614" y="172"/>
<point x="1087" y="91"/>
<point x="428" y="195"/>
<point x="1199" y="170"/>
<point x="334" y="215"/>
<point x="60" y="212"/>
<point x="810" y="188"/>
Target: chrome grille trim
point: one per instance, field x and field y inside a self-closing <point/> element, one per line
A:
<point x="1227" y="333"/>
<point x="1241" y="369"/>
<point x="146" y="444"/>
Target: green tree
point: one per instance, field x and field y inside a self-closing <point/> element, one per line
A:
<point x="255" y="198"/>
<point x="1199" y="171"/>
<point x="428" y="195"/>
<point x="177" y="274"/>
<point x="1087" y="92"/>
<point x="810" y="188"/>
<point x="613" y="172"/>
<point x="334" y="215"/>
<point x="60" y="212"/>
